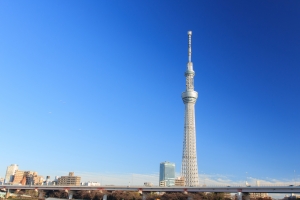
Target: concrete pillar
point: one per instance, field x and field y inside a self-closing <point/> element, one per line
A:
<point x="144" y="196"/>
<point x="239" y="196"/>
<point x="7" y="193"/>
<point x="71" y="194"/>
<point x="140" y="191"/>
<point x="41" y="194"/>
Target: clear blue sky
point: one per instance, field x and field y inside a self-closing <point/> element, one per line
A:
<point x="95" y="86"/>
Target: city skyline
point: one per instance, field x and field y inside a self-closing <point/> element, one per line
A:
<point x="95" y="87"/>
<point x="139" y="179"/>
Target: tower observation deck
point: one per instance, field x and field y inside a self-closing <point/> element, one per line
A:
<point x="189" y="168"/>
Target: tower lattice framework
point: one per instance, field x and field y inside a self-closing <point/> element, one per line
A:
<point x="189" y="168"/>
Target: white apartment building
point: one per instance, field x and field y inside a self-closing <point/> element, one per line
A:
<point x="90" y="184"/>
<point x="10" y="172"/>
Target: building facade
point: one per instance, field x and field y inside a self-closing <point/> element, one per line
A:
<point x="1" y="181"/>
<point x="19" y="177"/>
<point x="38" y="180"/>
<point x="189" y="168"/>
<point x="69" y="180"/>
<point x="26" y="178"/>
<point x="167" y="173"/>
<point x="162" y="183"/>
<point x="29" y="175"/>
<point x="148" y="184"/>
<point x="32" y="178"/>
<point x="90" y="183"/>
<point x="10" y="172"/>
<point x="258" y="195"/>
<point x="179" y="181"/>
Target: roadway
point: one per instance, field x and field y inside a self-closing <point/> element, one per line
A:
<point x="229" y="189"/>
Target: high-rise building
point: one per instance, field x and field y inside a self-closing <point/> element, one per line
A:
<point x="32" y="178"/>
<point x="24" y="177"/>
<point x="189" y="168"/>
<point x="167" y="174"/>
<point x="10" y="172"/>
<point x="69" y="180"/>
<point x="28" y="178"/>
<point x="18" y="177"/>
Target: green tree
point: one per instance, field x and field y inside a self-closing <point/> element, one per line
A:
<point x="61" y="194"/>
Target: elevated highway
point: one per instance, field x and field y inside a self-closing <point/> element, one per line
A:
<point x="228" y="189"/>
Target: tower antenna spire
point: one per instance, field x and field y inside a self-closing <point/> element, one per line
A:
<point x="190" y="46"/>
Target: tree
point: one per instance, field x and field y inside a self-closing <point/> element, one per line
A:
<point x="153" y="196"/>
<point x="124" y="195"/>
<point x="174" y="196"/>
<point x="32" y="193"/>
<point x="89" y="195"/>
<point x="61" y="194"/>
<point x="198" y="195"/>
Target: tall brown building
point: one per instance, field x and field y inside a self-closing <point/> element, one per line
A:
<point x="19" y="175"/>
<point x="69" y="180"/>
<point x="27" y="178"/>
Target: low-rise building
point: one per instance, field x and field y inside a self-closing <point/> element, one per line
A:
<point x="148" y="184"/>
<point x="69" y="180"/>
<point x="180" y="181"/>
<point x="38" y="180"/>
<point x="167" y="183"/>
<point x="162" y="183"/>
<point x="90" y="184"/>
<point x="1" y="181"/>
<point x="258" y="195"/>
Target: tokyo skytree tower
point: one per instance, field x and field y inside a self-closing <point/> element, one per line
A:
<point x="189" y="168"/>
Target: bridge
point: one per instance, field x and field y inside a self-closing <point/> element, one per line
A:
<point x="146" y="189"/>
<point x="228" y="189"/>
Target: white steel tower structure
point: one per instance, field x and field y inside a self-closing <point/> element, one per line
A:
<point x="189" y="168"/>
